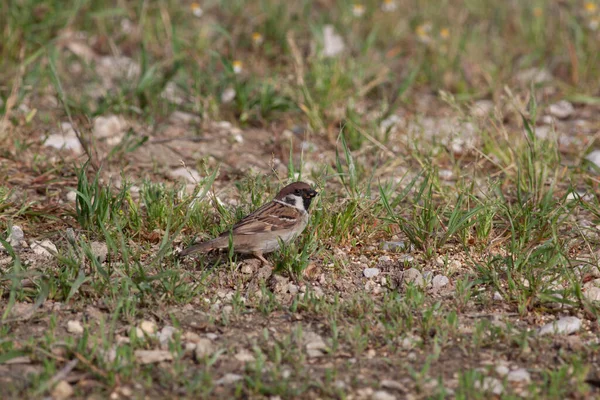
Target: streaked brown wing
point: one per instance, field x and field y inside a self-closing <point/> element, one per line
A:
<point x="271" y="217"/>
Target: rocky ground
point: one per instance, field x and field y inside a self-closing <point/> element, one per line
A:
<point x="452" y="251"/>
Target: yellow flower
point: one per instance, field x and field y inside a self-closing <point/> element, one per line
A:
<point x="590" y="7"/>
<point x="238" y="67"/>
<point x="445" y="33"/>
<point x="257" y="38"/>
<point x="358" y="10"/>
<point x="537" y="12"/>
<point x="388" y="6"/>
<point x="422" y="32"/>
<point x="196" y="10"/>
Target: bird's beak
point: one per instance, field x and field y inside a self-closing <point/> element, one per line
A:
<point x="312" y="193"/>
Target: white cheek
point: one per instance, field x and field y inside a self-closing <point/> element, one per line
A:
<point x="299" y="203"/>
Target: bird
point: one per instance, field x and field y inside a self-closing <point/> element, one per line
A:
<point x="282" y="219"/>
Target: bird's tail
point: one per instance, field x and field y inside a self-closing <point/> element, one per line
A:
<point x="205" y="247"/>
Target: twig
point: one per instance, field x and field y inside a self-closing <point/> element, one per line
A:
<point x="59" y="376"/>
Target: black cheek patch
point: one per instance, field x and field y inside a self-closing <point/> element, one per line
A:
<point x="306" y="201"/>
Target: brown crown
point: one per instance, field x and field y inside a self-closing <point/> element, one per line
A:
<point x="293" y="187"/>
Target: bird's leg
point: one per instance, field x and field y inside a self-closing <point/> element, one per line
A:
<point x="259" y="255"/>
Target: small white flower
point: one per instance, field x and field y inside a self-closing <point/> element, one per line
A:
<point x="257" y="38"/>
<point x="196" y="10"/>
<point x="389" y="6"/>
<point x="358" y="10"/>
<point x="238" y="67"/>
<point x="423" y="32"/>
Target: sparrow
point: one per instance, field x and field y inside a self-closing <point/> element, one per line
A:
<point x="284" y="218"/>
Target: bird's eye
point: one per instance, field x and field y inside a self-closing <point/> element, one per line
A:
<point x="297" y="191"/>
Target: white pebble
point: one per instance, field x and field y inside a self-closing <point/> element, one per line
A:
<point x="592" y="294"/>
<point x="439" y="281"/>
<point x="74" y="326"/>
<point x="563" y="109"/>
<point x="371" y="272"/>
<point x="519" y="375"/>
<point x="45" y="248"/>
<point x="564" y="326"/>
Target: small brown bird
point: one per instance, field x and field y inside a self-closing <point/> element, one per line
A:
<point x="284" y="219"/>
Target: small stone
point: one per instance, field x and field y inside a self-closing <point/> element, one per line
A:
<point x="564" y="326"/>
<point x="563" y="109"/>
<point x="594" y="157"/>
<point x="519" y="375"/>
<point x="110" y="126"/>
<point x="45" y="248"/>
<point x="188" y="174"/>
<point x="264" y="273"/>
<point x="405" y="258"/>
<point x="245" y="356"/>
<point x="278" y="283"/>
<point x="413" y="276"/>
<point x="497" y="296"/>
<point x="204" y="348"/>
<point x="490" y="384"/>
<point x="371" y="272"/>
<point x="228" y="95"/>
<point x="189" y="347"/>
<point x="394" y="246"/>
<point x="152" y="356"/>
<point x="71" y="196"/>
<point x="446" y="174"/>
<point x="394" y="385"/>
<point x="318" y="292"/>
<point x="364" y="393"/>
<point x="502" y="370"/>
<point x="63" y="390"/>
<point x="340" y="384"/>
<point x="99" y="250"/>
<point x="535" y="75"/>
<point x="228" y="309"/>
<point x="229" y="378"/>
<point x="315" y="345"/>
<point x="385" y="259"/>
<point x="439" y="281"/>
<point x="75" y="327"/>
<point x="592" y="294"/>
<point x="293" y="289"/>
<point x="183" y="117"/>
<point x="224" y="125"/>
<point x="576" y="195"/>
<point x="382" y="395"/>
<point x="66" y="139"/>
<point x="166" y="335"/>
<point x="191" y="337"/>
<point x="246" y="269"/>
<point x="333" y="44"/>
<point x="15" y="237"/>
<point x="409" y="342"/>
<point x="454" y="266"/>
<point x="147" y="327"/>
